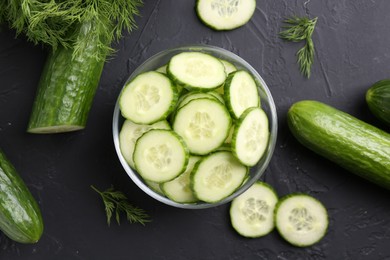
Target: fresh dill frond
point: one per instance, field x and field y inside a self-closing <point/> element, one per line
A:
<point x="115" y="202"/>
<point x="57" y="22"/>
<point x="299" y="29"/>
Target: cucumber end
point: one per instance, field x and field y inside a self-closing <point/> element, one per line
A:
<point x="54" y="129"/>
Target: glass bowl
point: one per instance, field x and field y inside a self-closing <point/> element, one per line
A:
<point x="267" y="104"/>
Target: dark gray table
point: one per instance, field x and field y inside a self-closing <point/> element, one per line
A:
<point x="352" y="52"/>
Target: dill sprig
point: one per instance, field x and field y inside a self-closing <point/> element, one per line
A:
<point x="299" y="29"/>
<point x="57" y="22"/>
<point x="116" y="202"/>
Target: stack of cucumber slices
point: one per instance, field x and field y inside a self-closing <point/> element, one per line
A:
<point x="193" y="127"/>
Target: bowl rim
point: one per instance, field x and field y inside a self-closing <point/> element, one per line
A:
<point x="271" y="143"/>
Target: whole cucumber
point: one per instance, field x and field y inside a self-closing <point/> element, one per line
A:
<point x="378" y="100"/>
<point x="353" y="144"/>
<point x="20" y="216"/>
<point x="67" y="87"/>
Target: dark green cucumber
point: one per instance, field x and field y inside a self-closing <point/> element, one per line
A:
<point x="353" y="144"/>
<point x="20" y="217"/>
<point x="67" y="87"/>
<point x="378" y="100"/>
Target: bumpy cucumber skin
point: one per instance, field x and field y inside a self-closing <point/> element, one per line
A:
<point x="353" y="144"/>
<point x="281" y="201"/>
<point x="67" y="87"/>
<point x="20" y="216"/>
<point x="378" y="100"/>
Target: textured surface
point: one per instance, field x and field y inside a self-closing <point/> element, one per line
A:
<point x="352" y="52"/>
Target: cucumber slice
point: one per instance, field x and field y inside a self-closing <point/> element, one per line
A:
<point x="160" y="155"/>
<point x="229" y="67"/>
<point x="129" y="134"/>
<point x="240" y="92"/>
<point x="217" y="176"/>
<point x="196" y="71"/>
<point x="148" y="98"/>
<point x="194" y="95"/>
<point x="252" y="213"/>
<point x="301" y="219"/>
<point x="204" y="125"/>
<point x="250" y="136"/>
<point x="217" y="95"/>
<point x="154" y="186"/>
<point x="179" y="189"/>
<point x="225" y="14"/>
<point x="162" y="69"/>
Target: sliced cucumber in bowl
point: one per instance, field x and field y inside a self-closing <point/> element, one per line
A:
<point x="200" y="111"/>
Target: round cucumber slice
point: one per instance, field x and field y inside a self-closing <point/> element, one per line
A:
<point x="240" y="92"/>
<point x="179" y="189"/>
<point x="197" y="71"/>
<point x="250" y="136"/>
<point x="252" y="213"/>
<point x="225" y="14"/>
<point x="203" y="123"/>
<point x="160" y="155"/>
<point x="129" y="134"/>
<point x="217" y="176"/>
<point x="301" y="219"/>
<point x="148" y="98"/>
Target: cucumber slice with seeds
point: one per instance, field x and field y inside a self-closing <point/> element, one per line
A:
<point x="129" y="134"/>
<point x="179" y="189"/>
<point x="203" y="123"/>
<point x="225" y="14"/>
<point x="240" y="92"/>
<point x="250" y="136"/>
<point x="196" y="71"/>
<point x="160" y="155"/>
<point x="301" y="219"/>
<point x="252" y="213"/>
<point x="217" y="176"/>
<point x="148" y="98"/>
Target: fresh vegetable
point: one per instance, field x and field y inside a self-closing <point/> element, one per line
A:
<point x="252" y="213"/>
<point x="20" y="216"/>
<point x="225" y="14"/>
<point x="115" y="202"/>
<point x="240" y="92"/>
<point x="353" y="144"/>
<point x="79" y="35"/>
<point x="203" y="123"/>
<point x="378" y="100"/>
<point x="301" y="29"/>
<point x="201" y="126"/>
<point x="67" y="87"/>
<point x="148" y="98"/>
<point x="216" y="176"/>
<point x="179" y="189"/>
<point x="129" y="134"/>
<point x="160" y="155"/>
<point x="196" y="71"/>
<point x="250" y="136"/>
<point x="301" y="219"/>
